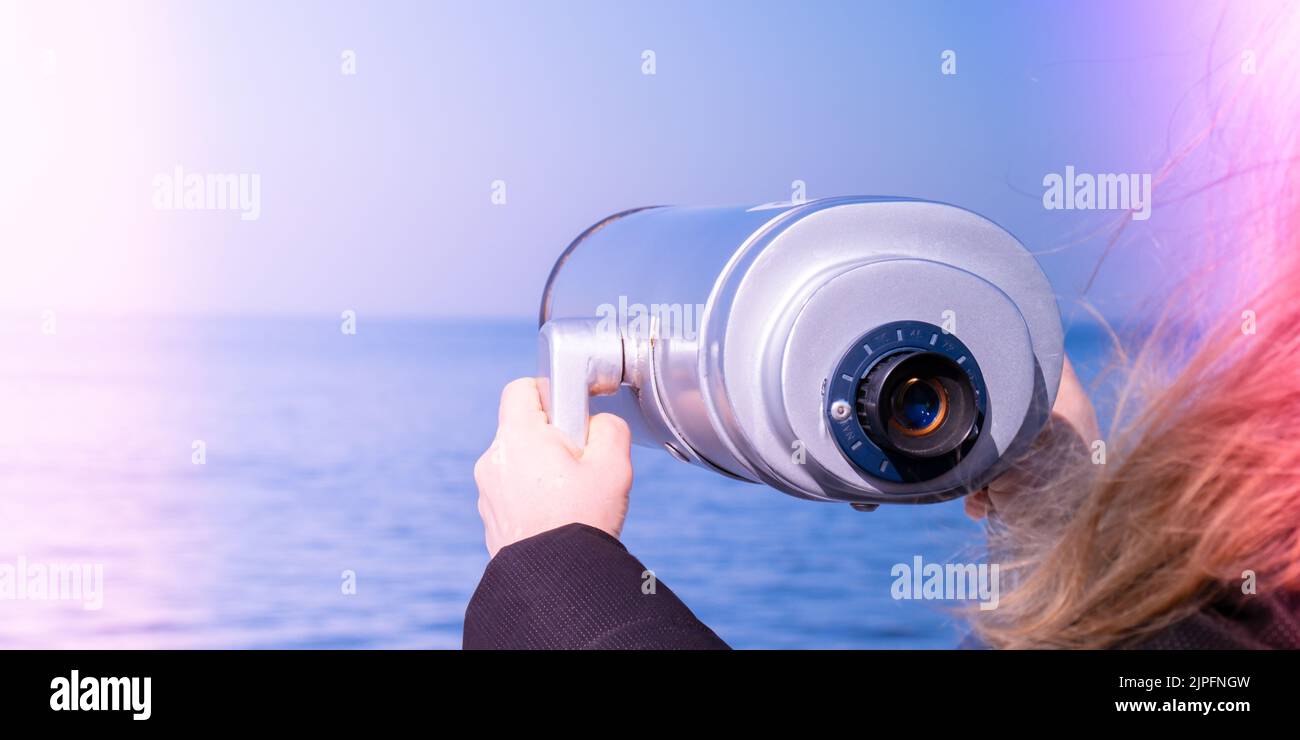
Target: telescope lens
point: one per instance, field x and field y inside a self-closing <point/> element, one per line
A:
<point x="918" y="404"/>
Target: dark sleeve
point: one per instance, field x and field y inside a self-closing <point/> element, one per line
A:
<point x="1236" y="621"/>
<point x="577" y="587"/>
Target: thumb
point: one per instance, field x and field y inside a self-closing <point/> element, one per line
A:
<point x="608" y="437"/>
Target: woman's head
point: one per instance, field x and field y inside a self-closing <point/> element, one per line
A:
<point x="1198" y="498"/>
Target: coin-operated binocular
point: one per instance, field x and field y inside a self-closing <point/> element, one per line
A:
<point x="864" y="350"/>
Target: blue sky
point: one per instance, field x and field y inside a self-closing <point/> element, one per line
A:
<point x="376" y="187"/>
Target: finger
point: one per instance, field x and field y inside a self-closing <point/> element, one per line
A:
<point x="608" y="438"/>
<point x="563" y="440"/>
<point x="521" y="404"/>
<point x="1073" y="405"/>
<point x="489" y="462"/>
<point x="482" y="467"/>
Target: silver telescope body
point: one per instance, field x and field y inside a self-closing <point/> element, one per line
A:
<point x="862" y="349"/>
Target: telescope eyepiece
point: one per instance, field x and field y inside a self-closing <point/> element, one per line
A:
<point x="918" y="404"/>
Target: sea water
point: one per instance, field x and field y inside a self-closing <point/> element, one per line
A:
<point x="257" y="482"/>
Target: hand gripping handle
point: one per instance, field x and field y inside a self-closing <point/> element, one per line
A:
<point x="577" y="359"/>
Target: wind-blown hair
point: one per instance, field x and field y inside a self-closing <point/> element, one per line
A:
<point x="1200" y="491"/>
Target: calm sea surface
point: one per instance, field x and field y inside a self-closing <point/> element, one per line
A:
<point x="328" y="453"/>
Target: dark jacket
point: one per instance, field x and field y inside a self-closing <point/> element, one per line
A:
<point x="577" y="587"/>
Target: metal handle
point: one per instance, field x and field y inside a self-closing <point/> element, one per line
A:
<point x="577" y="359"/>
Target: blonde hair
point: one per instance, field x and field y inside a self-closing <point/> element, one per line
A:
<point x="1201" y="485"/>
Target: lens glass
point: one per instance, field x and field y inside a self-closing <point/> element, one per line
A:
<point x="919" y="406"/>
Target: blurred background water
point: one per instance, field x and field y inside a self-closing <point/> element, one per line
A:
<point x="328" y="452"/>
